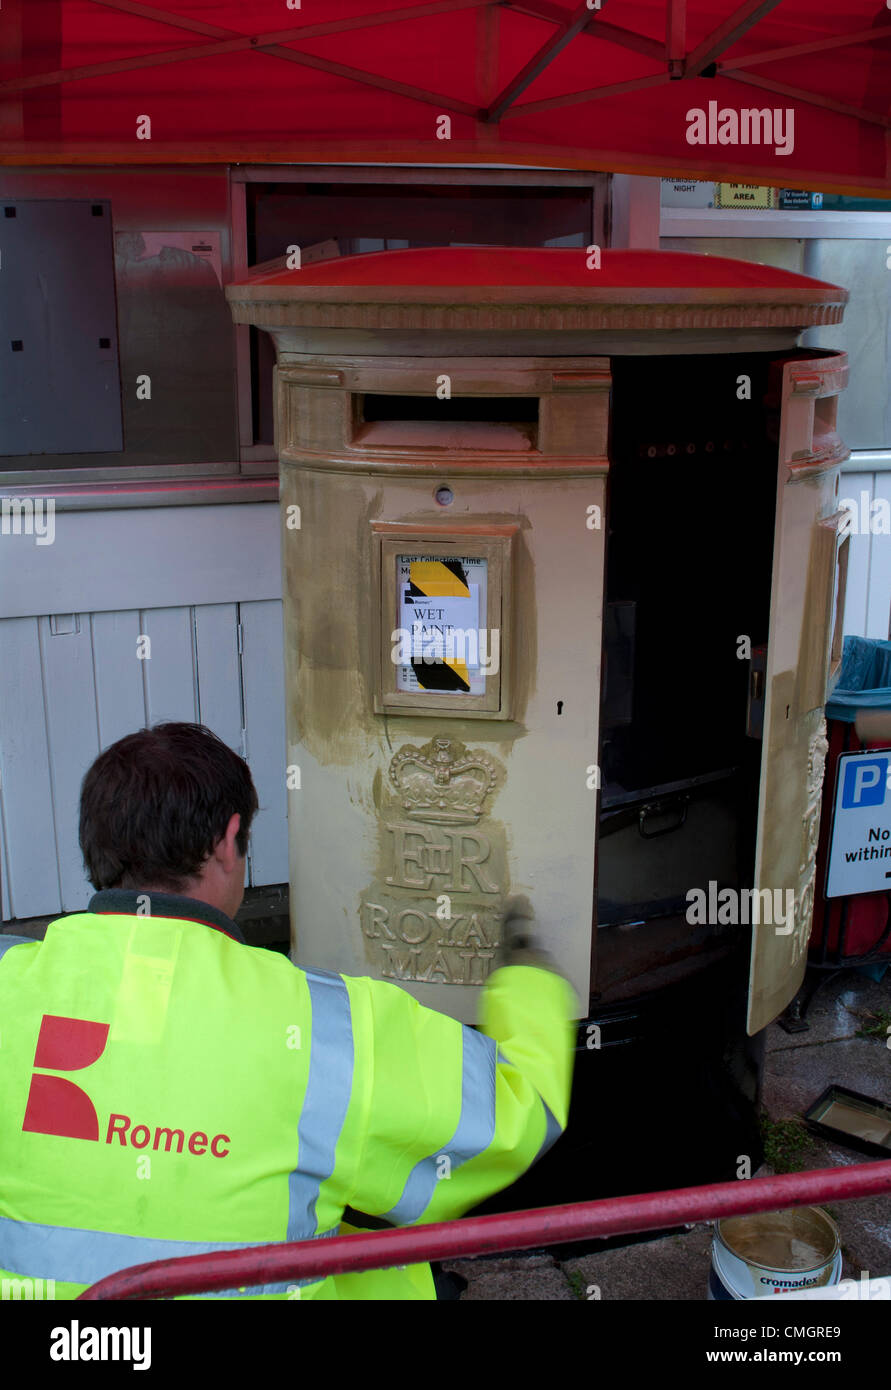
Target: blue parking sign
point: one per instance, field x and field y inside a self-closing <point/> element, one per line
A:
<point x="865" y="782"/>
<point x="860" y="840"/>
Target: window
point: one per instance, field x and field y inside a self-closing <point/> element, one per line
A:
<point x="357" y="211"/>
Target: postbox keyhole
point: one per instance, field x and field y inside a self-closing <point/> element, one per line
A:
<point x="559" y="706"/>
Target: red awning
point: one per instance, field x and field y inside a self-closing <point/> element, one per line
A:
<point x="664" y="87"/>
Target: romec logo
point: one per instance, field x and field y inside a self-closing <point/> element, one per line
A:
<point x="57" y="1106"/>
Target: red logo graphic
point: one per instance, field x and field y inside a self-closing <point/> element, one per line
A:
<point x="57" y="1106"/>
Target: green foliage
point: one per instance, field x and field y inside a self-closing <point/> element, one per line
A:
<point x="785" y="1143"/>
<point x="878" y="1025"/>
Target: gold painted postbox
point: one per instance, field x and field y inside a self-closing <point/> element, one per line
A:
<point x="466" y="487"/>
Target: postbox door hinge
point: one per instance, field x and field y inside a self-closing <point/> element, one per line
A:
<point x="756" y="693"/>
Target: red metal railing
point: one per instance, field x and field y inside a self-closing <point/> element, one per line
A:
<point x="486" y="1235"/>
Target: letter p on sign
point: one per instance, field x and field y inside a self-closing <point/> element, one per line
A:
<point x="865" y="782"/>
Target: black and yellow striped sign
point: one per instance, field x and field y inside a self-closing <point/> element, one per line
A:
<point x="432" y="579"/>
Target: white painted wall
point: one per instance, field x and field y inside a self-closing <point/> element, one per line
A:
<point x="868" y="600"/>
<point x="71" y="682"/>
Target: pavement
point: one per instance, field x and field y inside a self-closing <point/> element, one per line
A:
<point x="798" y="1067"/>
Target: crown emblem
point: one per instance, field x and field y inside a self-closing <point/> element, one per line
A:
<point x="442" y="782"/>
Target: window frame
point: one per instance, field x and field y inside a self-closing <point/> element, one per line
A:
<point x="258" y="458"/>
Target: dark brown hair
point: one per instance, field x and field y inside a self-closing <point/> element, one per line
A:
<point x="154" y="805"/>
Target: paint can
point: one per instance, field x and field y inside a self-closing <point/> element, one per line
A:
<point x="773" y="1252"/>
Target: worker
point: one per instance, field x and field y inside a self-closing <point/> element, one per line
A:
<point x="167" y="1090"/>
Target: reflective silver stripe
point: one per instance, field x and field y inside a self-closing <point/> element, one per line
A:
<point x="475" y="1132"/>
<point x="553" y="1128"/>
<point x="328" y="1091"/>
<point x="71" y="1255"/>
<point x="8" y="941"/>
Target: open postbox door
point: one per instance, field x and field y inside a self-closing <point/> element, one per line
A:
<point x="803" y="661"/>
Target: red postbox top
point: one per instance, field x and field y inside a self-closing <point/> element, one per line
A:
<point x="546" y="267"/>
<point x="509" y="287"/>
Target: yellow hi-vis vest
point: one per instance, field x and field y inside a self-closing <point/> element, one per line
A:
<point x="168" y="1090"/>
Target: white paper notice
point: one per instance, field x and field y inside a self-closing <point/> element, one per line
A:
<point x="443" y="629"/>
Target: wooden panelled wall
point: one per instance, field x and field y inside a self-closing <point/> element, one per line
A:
<point x="868" y="599"/>
<point x="70" y="686"/>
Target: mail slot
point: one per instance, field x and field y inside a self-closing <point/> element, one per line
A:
<point x="561" y="596"/>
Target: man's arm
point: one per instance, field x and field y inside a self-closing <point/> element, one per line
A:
<point x="454" y="1114"/>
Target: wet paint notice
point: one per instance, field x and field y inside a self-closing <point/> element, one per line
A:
<point x="860" y="846"/>
<point x="441" y="600"/>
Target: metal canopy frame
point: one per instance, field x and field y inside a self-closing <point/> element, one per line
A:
<point x="679" y="65"/>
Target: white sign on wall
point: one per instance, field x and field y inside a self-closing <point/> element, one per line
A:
<point x="860" y="845"/>
<point x="179" y="248"/>
<point x="688" y="193"/>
